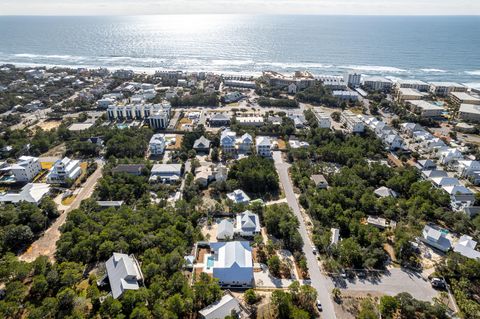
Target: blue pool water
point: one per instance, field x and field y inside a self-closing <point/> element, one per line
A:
<point x="122" y="126"/>
<point x="210" y="262"/>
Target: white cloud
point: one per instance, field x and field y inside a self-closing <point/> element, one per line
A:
<point x="129" y="7"/>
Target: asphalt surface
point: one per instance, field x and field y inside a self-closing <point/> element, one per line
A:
<point x="320" y="282"/>
<point x="392" y="283"/>
<point x="46" y="245"/>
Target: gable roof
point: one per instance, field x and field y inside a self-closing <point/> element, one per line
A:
<point x="123" y="274"/>
<point x="202" y="142"/>
<point x="232" y="253"/>
<point x="222" y="308"/>
<point x="466" y="247"/>
<point x="319" y="179"/>
<point x="249" y="221"/>
<point x="385" y="192"/>
<point x="31" y="193"/>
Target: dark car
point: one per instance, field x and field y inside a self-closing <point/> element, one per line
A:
<point x="438" y="283"/>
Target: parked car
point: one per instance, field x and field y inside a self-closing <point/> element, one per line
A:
<point x="438" y="283"/>
<point x="319" y="306"/>
<point x="314" y="249"/>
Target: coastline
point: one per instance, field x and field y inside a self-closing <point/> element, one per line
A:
<point x="392" y="73"/>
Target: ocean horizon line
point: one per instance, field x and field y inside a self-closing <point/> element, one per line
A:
<point x="240" y="14"/>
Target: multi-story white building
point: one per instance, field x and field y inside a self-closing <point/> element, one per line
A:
<point x="459" y="98"/>
<point x="345" y="95"/>
<point x="156" y="115"/>
<point x="353" y="79"/>
<point x="445" y="88"/>
<point x="323" y="119"/>
<point x="469" y="112"/>
<point x="263" y="145"/>
<point x="378" y="83"/>
<point x="157" y="144"/>
<point x="353" y="122"/>
<point x="63" y="171"/>
<point x="404" y="94"/>
<point x="413" y="84"/>
<point x="332" y="82"/>
<point x="301" y="79"/>
<point x="25" y="169"/>
<point x="425" y="109"/>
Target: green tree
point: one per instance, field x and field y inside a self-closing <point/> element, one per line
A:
<point x="388" y="306"/>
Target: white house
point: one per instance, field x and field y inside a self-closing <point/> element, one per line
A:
<point x="385" y="192"/>
<point x="263" y="145"/>
<point x="467" y="167"/>
<point x="435" y="238"/>
<point x="409" y="128"/>
<point x="393" y="141"/>
<point x="123" y="273"/>
<point x="449" y="154"/>
<point x="444" y="181"/>
<point x="31" y="193"/>
<point x="25" y="169"/>
<point x="247" y="224"/>
<point x="238" y="197"/>
<point x="429" y="174"/>
<point x="227" y="305"/>
<point x="166" y="173"/>
<point x="225" y="230"/>
<point x="64" y="170"/>
<point x="245" y="143"/>
<point x="426" y="164"/>
<point x="466" y="247"/>
<point x="204" y="175"/>
<point x="227" y="141"/>
<point x="460" y="194"/>
<point x="157" y="144"/>
<point x="221" y="173"/>
<point x="233" y="264"/>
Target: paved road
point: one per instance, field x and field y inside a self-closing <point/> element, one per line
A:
<point x="46" y="245"/>
<point x="395" y="282"/>
<point x="321" y="283"/>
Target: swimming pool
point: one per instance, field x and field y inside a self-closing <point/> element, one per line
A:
<point x="122" y="126"/>
<point x="210" y="262"/>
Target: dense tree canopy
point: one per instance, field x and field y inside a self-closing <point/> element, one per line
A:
<point x="255" y="175"/>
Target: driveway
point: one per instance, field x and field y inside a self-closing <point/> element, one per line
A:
<point x="320" y="282"/>
<point x="392" y="283"/>
<point x="46" y="245"/>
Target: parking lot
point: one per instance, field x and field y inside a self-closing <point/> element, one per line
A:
<point x="393" y="282"/>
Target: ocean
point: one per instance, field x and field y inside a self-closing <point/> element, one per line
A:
<point x="433" y="48"/>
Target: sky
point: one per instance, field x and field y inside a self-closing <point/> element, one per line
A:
<point x="328" y="7"/>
